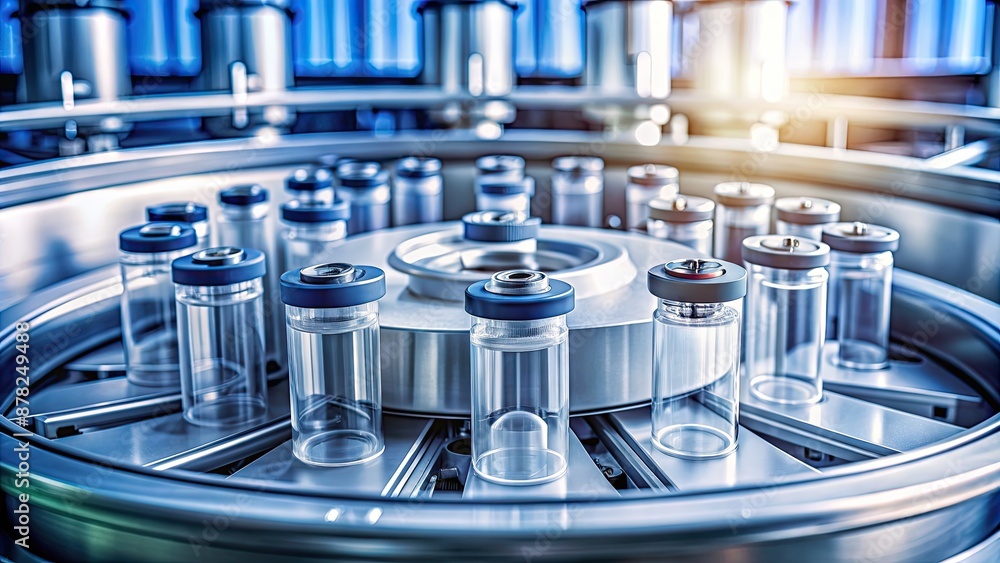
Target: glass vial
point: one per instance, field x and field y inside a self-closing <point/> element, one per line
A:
<point x="333" y="343"/>
<point x="786" y="317"/>
<point x="647" y="182"/>
<point x="149" y="317"/>
<point x="311" y="233"/>
<point x="578" y="191"/>
<point x="804" y="217"/>
<point x="520" y="377"/>
<point x="860" y="292"/>
<point x="243" y="222"/>
<point x="684" y="219"/>
<point x="188" y="212"/>
<point x="366" y="187"/>
<point x="311" y="185"/>
<point x="220" y="318"/>
<point x="696" y="356"/>
<point x="419" y="188"/>
<point x="514" y="195"/>
<point x="743" y="210"/>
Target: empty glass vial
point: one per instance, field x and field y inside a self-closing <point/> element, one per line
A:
<point x="498" y="168"/>
<point x="220" y="319"/>
<point x="696" y="356"/>
<point x="333" y="344"/>
<point x="311" y="185"/>
<point x="243" y="222"/>
<point x="804" y="217"/>
<point x="149" y="317"/>
<point x="188" y="212"/>
<point x="743" y="210"/>
<point x="419" y="187"/>
<point x="647" y="182"/>
<point x="366" y="187"/>
<point x="311" y="233"/>
<point x="578" y="191"/>
<point x="786" y="317"/>
<point x="685" y="219"/>
<point x="860" y="291"/>
<point x="520" y="377"/>
<point x="514" y="195"/>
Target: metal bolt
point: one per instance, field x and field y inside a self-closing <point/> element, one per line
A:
<point x="680" y="204"/>
<point x="859" y="229"/>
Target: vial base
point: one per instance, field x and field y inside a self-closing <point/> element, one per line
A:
<point x="520" y="466"/>
<point x="786" y="389"/>
<point x="339" y="448"/>
<point x="153" y="361"/>
<point x="694" y="441"/>
<point x="154" y="376"/>
<point x="227" y="411"/>
<point x="861" y="355"/>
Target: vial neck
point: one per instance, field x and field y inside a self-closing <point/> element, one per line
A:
<point x="680" y="309"/>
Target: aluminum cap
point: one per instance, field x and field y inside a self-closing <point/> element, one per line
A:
<point x="223" y="265"/>
<point x="807" y="210"/>
<point x="696" y="280"/>
<point x="500" y="226"/>
<point x="785" y="252"/>
<point x="324" y="286"/>
<point x="182" y="212"/>
<point x="653" y="174"/>
<point x="244" y="195"/>
<point x="157" y="237"/>
<point x="309" y="180"/>
<point x="579" y="165"/>
<point x="361" y="174"/>
<point x="418" y="167"/>
<point x="519" y="295"/>
<point x="682" y="209"/>
<point x="743" y="194"/>
<point x="498" y="163"/>
<point x="298" y="212"/>
<point x="860" y="238"/>
<point x="525" y="185"/>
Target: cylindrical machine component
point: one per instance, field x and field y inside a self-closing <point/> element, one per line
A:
<point x="860" y="289"/>
<point x="514" y="195"/>
<point x="647" y="182"/>
<point x="686" y="219"/>
<point x="786" y="317"/>
<point x="74" y="50"/>
<point x="468" y="47"/>
<point x="520" y="377"/>
<point x="419" y="187"/>
<point x="578" y="191"/>
<point x="243" y="223"/>
<point x="499" y="226"/>
<point x="311" y="232"/>
<point x="366" y="187"/>
<point x="311" y="185"/>
<point x="220" y="319"/>
<point x="696" y="357"/>
<point x="188" y="212"/>
<point x="741" y="49"/>
<point x="333" y="344"/>
<point x="629" y="46"/>
<point x="743" y="210"/>
<point x="149" y="318"/>
<point x="804" y="217"/>
<point x="498" y="168"/>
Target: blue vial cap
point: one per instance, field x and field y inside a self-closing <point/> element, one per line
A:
<point x="244" y="195"/>
<point x="309" y="180"/>
<point x="696" y="280"/>
<point x="500" y="226"/>
<point x="519" y="295"/>
<point x="325" y="286"/>
<point x="299" y="212"/>
<point x="525" y="185"/>
<point x="222" y="265"/>
<point x="157" y="237"/>
<point x="183" y="212"/>
<point x="361" y="174"/>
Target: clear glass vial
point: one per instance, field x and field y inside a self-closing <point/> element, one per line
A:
<point x="804" y="217"/>
<point x="419" y="191"/>
<point x="743" y="210"/>
<point x="498" y="168"/>
<point x="149" y="317"/>
<point x="520" y="377"/>
<point x="696" y="356"/>
<point x="220" y="319"/>
<point x="188" y="212"/>
<point x="311" y="233"/>
<point x="684" y="219"/>
<point x="333" y="343"/>
<point x="786" y="317"/>
<point x="860" y="291"/>
<point x="578" y="191"/>
<point x="514" y="195"/>
<point x="243" y="222"/>
<point x="366" y="187"/>
<point x="311" y="185"/>
<point x="647" y="182"/>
